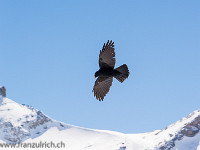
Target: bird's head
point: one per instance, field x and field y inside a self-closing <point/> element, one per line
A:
<point x="96" y="74"/>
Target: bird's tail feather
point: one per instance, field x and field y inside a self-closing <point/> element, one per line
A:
<point x="123" y="69"/>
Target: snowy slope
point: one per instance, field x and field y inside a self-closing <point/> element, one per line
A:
<point x="182" y="135"/>
<point x="24" y="124"/>
<point x="20" y="123"/>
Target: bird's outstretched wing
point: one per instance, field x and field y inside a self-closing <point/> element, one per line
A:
<point x="107" y="55"/>
<point x="102" y="87"/>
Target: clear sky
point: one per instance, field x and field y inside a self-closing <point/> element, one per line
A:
<point x="49" y="54"/>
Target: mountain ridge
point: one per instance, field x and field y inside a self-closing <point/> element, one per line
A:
<point x="23" y="123"/>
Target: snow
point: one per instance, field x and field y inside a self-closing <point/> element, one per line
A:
<point x="15" y="113"/>
<point x="1" y="99"/>
<point x="188" y="143"/>
<point x="32" y="126"/>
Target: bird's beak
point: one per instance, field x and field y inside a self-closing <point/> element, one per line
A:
<point x="95" y="77"/>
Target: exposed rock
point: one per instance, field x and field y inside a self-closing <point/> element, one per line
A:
<point x="189" y="130"/>
<point x="3" y="91"/>
<point x="25" y="127"/>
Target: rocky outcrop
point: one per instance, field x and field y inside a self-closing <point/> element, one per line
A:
<point x="17" y="134"/>
<point x="189" y="130"/>
<point x="3" y="91"/>
<point x="13" y="134"/>
<point x="20" y="122"/>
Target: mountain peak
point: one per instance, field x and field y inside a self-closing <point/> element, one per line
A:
<point x="186" y="128"/>
<point x="22" y="123"/>
<point x="19" y="122"/>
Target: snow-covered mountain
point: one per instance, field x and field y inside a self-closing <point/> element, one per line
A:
<point x="24" y="124"/>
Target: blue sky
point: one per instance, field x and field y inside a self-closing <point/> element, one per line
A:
<point x="49" y="54"/>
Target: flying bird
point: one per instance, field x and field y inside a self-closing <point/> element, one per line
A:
<point x="106" y="72"/>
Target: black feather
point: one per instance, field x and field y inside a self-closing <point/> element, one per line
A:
<point x="106" y="72"/>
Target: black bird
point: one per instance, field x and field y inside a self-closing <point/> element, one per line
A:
<point x="106" y="72"/>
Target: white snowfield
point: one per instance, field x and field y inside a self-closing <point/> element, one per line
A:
<point x="27" y="128"/>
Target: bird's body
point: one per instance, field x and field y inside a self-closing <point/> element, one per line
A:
<point x="106" y="72"/>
